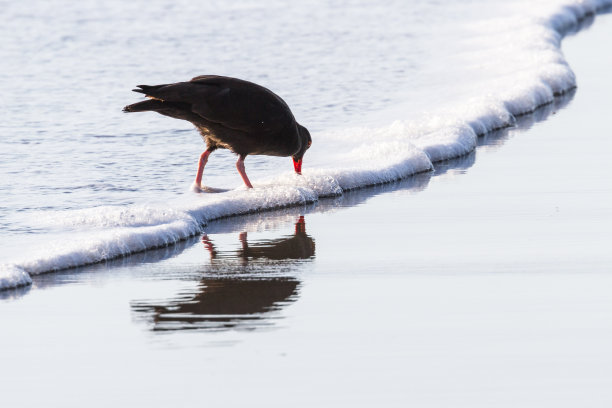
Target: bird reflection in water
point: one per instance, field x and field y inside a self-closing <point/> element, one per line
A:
<point x="297" y="246"/>
<point x="222" y="301"/>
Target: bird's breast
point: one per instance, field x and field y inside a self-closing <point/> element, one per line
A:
<point x="264" y="141"/>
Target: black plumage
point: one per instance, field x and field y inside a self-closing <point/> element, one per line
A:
<point x="230" y="113"/>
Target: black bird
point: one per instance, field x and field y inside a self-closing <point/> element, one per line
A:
<point x="230" y="113"/>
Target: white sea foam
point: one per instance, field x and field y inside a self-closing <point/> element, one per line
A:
<point x="505" y="67"/>
<point x="12" y="276"/>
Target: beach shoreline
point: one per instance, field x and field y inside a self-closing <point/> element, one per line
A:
<point x="484" y="283"/>
<point x="18" y="273"/>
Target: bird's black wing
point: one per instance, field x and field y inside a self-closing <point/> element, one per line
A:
<point x="231" y="102"/>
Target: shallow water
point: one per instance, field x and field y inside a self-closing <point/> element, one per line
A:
<point x="386" y="91"/>
<point x="483" y="283"/>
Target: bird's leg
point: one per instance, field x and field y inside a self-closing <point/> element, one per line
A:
<point x="240" y="167"/>
<point x="197" y="184"/>
<point x="209" y="246"/>
<point x="243" y="240"/>
<point x="245" y="248"/>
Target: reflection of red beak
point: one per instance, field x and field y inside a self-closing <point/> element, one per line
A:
<point x="297" y="164"/>
<point x="300" y="226"/>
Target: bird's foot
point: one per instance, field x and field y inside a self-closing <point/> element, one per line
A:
<point x="196" y="188"/>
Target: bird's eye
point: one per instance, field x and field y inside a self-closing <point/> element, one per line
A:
<point x="309" y="143"/>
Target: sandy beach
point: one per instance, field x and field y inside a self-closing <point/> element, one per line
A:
<point x="386" y="296"/>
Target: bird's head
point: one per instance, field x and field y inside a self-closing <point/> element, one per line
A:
<point x="305" y="142"/>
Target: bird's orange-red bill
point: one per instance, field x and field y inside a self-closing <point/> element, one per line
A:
<point x="297" y="164"/>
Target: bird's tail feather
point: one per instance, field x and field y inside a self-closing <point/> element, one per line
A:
<point x="148" y="105"/>
<point x="145" y="89"/>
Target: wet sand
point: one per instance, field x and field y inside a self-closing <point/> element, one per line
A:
<point x="484" y="283"/>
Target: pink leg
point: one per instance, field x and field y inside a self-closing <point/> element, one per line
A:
<point x="240" y="167"/>
<point x="209" y="246"/>
<point x="201" y="164"/>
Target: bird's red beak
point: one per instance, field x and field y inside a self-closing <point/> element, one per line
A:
<point x="297" y="164"/>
